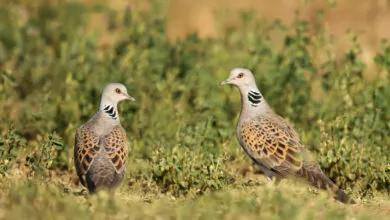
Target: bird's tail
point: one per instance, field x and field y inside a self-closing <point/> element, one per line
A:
<point x="317" y="178"/>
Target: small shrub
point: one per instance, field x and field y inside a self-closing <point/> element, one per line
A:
<point x="10" y="146"/>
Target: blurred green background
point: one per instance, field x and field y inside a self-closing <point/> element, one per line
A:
<point x="184" y="161"/>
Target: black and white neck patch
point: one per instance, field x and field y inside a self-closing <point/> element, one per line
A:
<point x="254" y="98"/>
<point x="110" y="111"/>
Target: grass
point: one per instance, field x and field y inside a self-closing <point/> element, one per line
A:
<point x="184" y="160"/>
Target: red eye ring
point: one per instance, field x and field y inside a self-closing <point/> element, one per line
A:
<point x="117" y="90"/>
<point x="240" y="75"/>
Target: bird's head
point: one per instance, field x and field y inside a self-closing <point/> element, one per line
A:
<point x="114" y="93"/>
<point x="241" y="78"/>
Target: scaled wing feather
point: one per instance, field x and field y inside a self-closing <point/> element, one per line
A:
<point x="275" y="148"/>
<point x="86" y="148"/>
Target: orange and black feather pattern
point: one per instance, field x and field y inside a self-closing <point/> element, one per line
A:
<point x="274" y="144"/>
<point x="88" y="145"/>
<point x="115" y="144"/>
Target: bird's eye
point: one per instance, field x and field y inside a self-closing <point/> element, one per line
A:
<point x="117" y="90"/>
<point x="240" y="75"/>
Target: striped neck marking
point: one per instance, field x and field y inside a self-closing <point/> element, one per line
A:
<point x="254" y="98"/>
<point x="110" y="111"/>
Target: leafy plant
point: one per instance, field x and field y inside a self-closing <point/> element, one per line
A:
<point x="10" y="145"/>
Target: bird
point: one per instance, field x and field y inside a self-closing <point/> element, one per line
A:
<point x="271" y="142"/>
<point x="100" y="147"/>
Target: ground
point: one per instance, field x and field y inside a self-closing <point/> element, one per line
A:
<point x="184" y="160"/>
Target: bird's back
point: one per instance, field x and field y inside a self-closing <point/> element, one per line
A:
<point x="100" y="154"/>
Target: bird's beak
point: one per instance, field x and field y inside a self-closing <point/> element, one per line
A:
<point x="225" y="82"/>
<point x="129" y="97"/>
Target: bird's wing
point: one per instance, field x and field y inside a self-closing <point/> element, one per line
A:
<point x="86" y="148"/>
<point x="115" y="144"/>
<point x="88" y="145"/>
<point x="272" y="145"/>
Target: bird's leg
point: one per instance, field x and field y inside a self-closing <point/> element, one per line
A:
<point x="262" y="170"/>
<point x="277" y="180"/>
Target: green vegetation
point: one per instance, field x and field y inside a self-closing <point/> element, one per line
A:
<point x="184" y="159"/>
